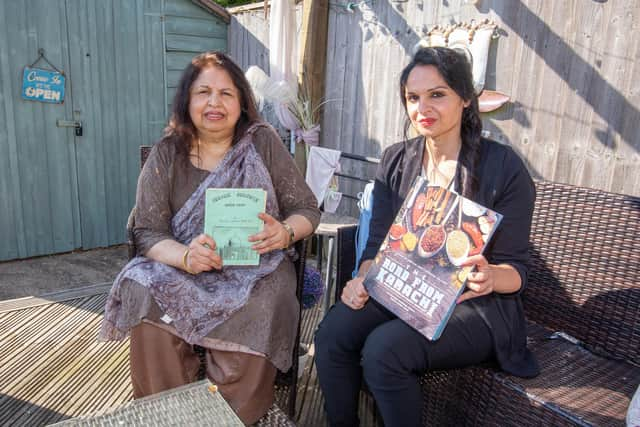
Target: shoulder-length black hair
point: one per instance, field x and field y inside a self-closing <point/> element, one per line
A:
<point x="455" y="69"/>
<point x="180" y="128"/>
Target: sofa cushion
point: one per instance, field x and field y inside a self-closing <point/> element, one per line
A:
<point x="575" y="387"/>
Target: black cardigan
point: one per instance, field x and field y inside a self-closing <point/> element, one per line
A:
<point x="505" y="187"/>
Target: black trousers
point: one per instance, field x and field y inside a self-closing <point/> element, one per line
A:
<point x="372" y="343"/>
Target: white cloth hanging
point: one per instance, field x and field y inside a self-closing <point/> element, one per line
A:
<point x="282" y="41"/>
<point x="332" y="200"/>
<point x="322" y="163"/>
<point x="283" y="54"/>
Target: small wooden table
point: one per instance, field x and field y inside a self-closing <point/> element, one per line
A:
<point x="189" y="405"/>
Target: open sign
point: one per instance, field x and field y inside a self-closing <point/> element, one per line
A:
<point x="42" y="85"/>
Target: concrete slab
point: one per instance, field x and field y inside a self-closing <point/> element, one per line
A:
<point x="42" y="275"/>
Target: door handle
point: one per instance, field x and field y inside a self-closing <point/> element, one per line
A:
<point x="76" y="124"/>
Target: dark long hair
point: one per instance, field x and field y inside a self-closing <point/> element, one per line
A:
<point x="180" y="129"/>
<point x="456" y="72"/>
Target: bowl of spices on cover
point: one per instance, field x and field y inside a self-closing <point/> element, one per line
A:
<point x="458" y="246"/>
<point x="431" y="241"/>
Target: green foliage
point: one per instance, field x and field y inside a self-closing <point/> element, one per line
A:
<point x="232" y="3"/>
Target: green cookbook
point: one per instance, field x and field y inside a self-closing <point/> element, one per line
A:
<point x="231" y="216"/>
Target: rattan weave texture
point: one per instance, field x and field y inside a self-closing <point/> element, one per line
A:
<point x="575" y="387"/>
<point x="584" y="282"/>
<point x="585" y="267"/>
<point x="274" y="417"/>
<point x="189" y="405"/>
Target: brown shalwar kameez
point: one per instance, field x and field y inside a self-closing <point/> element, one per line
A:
<point x="244" y="351"/>
<point x="160" y="360"/>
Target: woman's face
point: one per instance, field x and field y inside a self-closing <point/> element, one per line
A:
<point x="214" y="103"/>
<point x="435" y="110"/>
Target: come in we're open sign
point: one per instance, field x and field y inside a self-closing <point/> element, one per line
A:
<point x="42" y="85"/>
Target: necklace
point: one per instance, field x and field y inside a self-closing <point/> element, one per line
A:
<point x="434" y="174"/>
<point x="206" y="158"/>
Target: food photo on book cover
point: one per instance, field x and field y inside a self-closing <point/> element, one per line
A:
<point x="416" y="273"/>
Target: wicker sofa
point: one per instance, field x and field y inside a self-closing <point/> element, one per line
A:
<point x="583" y="309"/>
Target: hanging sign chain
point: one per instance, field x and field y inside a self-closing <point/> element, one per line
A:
<point x="41" y="56"/>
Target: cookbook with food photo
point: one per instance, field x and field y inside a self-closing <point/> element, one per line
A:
<point x="417" y="272"/>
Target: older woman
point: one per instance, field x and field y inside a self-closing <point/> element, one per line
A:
<point x="178" y="292"/>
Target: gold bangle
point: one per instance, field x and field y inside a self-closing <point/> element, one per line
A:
<point x="289" y="229"/>
<point x="184" y="262"/>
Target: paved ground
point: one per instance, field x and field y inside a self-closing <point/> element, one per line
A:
<point x="42" y="275"/>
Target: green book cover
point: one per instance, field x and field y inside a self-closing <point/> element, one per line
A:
<point x="230" y="217"/>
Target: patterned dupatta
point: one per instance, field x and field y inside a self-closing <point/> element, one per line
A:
<point x="195" y="303"/>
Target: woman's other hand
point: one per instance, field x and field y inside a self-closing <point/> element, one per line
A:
<point x="354" y="294"/>
<point x="273" y="236"/>
<point x="202" y="255"/>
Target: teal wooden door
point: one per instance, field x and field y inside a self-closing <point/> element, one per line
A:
<point x="116" y="62"/>
<point x="59" y="191"/>
<point x="39" y="210"/>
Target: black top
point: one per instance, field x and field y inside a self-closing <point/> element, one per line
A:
<point x="505" y="187"/>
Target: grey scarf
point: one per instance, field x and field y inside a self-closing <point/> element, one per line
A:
<point x="195" y="303"/>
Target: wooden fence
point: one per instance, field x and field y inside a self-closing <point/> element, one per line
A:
<point x="569" y="68"/>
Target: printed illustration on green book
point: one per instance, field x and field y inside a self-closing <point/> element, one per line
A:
<point x="231" y="216"/>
